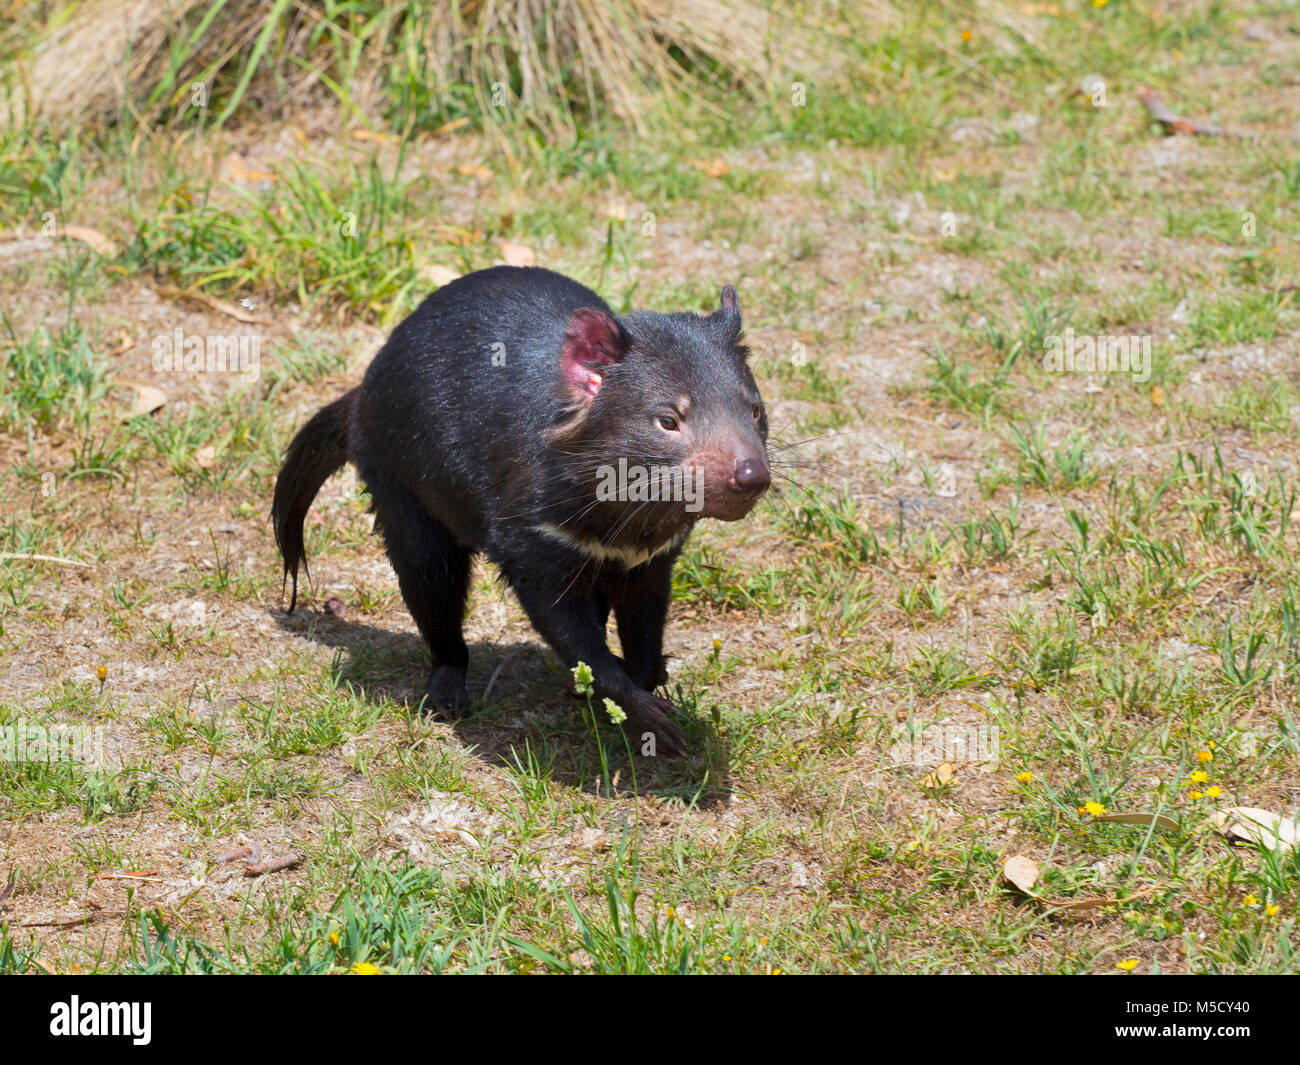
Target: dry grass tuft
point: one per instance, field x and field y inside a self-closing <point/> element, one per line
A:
<point x="559" y="57"/>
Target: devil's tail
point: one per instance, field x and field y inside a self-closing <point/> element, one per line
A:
<point x="319" y="449"/>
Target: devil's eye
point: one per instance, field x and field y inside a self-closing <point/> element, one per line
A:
<point x="668" y="422"/>
<point x="758" y="411"/>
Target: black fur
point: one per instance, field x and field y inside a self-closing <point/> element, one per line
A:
<point x="490" y="412"/>
<point x="319" y="449"/>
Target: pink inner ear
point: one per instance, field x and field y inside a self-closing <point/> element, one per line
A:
<point x="592" y="342"/>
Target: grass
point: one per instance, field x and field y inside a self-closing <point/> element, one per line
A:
<point x="1093" y="574"/>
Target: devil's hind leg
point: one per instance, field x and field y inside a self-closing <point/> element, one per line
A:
<point x="433" y="573"/>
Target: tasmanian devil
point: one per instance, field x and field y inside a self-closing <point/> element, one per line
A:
<point x="514" y="413"/>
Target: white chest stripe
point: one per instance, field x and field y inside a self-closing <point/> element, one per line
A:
<point x="628" y="556"/>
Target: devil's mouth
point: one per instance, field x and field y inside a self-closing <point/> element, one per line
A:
<point x="730" y="508"/>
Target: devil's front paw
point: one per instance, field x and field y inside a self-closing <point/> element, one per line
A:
<point x="447" y="697"/>
<point x="650" y="714"/>
<point x="650" y="676"/>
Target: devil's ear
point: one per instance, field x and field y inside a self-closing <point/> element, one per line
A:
<point x="727" y="316"/>
<point x="593" y="342"/>
<point x="729" y="303"/>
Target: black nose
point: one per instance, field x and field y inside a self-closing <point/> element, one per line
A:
<point x="751" y="477"/>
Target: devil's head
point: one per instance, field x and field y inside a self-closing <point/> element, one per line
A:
<point x="673" y="396"/>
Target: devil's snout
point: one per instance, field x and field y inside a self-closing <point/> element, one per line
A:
<point x="751" y="476"/>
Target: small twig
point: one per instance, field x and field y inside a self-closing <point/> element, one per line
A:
<point x="493" y="679"/>
<point x="8" y="889"/>
<point x="234" y="856"/>
<point x="1173" y="123"/>
<point x="150" y="875"/>
<point x="71" y="922"/>
<point x="45" y="558"/>
<point x="232" y="310"/>
<point x="275" y="865"/>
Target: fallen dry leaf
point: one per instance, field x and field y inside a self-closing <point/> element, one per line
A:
<point x="518" y="254"/>
<point x="232" y="310"/>
<point x="438" y="275"/>
<point x="1094" y="902"/>
<point x="233" y="168"/>
<point x="93" y="239"/>
<point x="147" y="400"/>
<point x="1140" y="818"/>
<point x="447" y="127"/>
<point x="1022" y="872"/>
<point x="595" y="839"/>
<point x="372" y="135"/>
<point x="1171" y="122"/>
<point x="715" y="168"/>
<point x="461" y="237"/>
<point x="944" y="773"/>
<point x="124" y="344"/>
<point x="1246" y="824"/>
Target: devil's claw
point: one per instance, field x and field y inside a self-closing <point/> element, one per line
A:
<point x="650" y="713"/>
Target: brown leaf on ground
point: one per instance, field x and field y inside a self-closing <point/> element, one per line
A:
<point x="1246" y="824"/>
<point x="93" y="239"/>
<point x="231" y="310"/>
<point x="1172" y="123"/>
<point x="518" y="254"/>
<point x="235" y="169"/>
<point x="148" y="399"/>
<point x="1139" y="818"/>
<point x="715" y="168"/>
<point x="1023" y="873"/>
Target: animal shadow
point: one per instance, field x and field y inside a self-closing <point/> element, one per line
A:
<point x="530" y="714"/>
